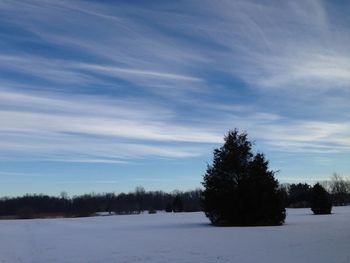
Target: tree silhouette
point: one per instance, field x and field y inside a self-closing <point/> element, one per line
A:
<point x="339" y="188"/>
<point x="320" y="200"/>
<point x="239" y="187"/>
<point x="299" y="195"/>
<point x="33" y="206"/>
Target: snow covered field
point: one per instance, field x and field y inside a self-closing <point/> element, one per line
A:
<point x="183" y="237"/>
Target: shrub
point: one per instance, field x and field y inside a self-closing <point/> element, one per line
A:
<point x="320" y="200"/>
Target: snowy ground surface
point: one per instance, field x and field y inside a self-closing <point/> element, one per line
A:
<point x="182" y="237"/>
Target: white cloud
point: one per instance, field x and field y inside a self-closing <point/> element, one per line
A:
<point x="99" y="129"/>
<point x="121" y="72"/>
<point x="287" y="47"/>
<point x="92" y="129"/>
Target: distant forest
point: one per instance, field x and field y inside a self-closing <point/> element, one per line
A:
<point x="299" y="195"/>
<point x="140" y="201"/>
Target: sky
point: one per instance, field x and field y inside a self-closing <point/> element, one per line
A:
<point x="104" y="96"/>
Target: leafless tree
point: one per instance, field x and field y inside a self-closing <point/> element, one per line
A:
<point x="339" y="189"/>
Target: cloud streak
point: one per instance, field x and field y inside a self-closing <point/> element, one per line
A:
<point x="167" y="80"/>
<point x="44" y="126"/>
<point x="92" y="129"/>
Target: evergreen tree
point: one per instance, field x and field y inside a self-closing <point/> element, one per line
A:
<point x="239" y="187"/>
<point x="320" y="200"/>
<point x="299" y="195"/>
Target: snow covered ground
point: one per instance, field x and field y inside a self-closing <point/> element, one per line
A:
<point x="182" y="237"/>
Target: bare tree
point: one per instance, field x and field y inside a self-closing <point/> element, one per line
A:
<point x="339" y="189"/>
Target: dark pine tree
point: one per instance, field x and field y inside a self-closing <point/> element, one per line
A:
<point x="299" y="195"/>
<point x="239" y="187"/>
<point x="320" y="200"/>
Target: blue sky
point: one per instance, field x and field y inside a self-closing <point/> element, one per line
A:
<point x="108" y="95"/>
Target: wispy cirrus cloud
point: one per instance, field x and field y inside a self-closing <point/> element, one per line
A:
<point x="300" y="51"/>
<point x="93" y="129"/>
<point x="136" y="72"/>
<point x="96" y="116"/>
<point x="290" y="46"/>
<point x="112" y="81"/>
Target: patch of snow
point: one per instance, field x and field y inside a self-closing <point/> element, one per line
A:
<point x="104" y="213"/>
<point x="176" y="237"/>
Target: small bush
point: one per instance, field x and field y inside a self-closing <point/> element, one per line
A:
<point x="320" y="200"/>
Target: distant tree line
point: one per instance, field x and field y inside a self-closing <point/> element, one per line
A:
<point x="300" y="195"/>
<point x="139" y="201"/>
<point x="30" y="206"/>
